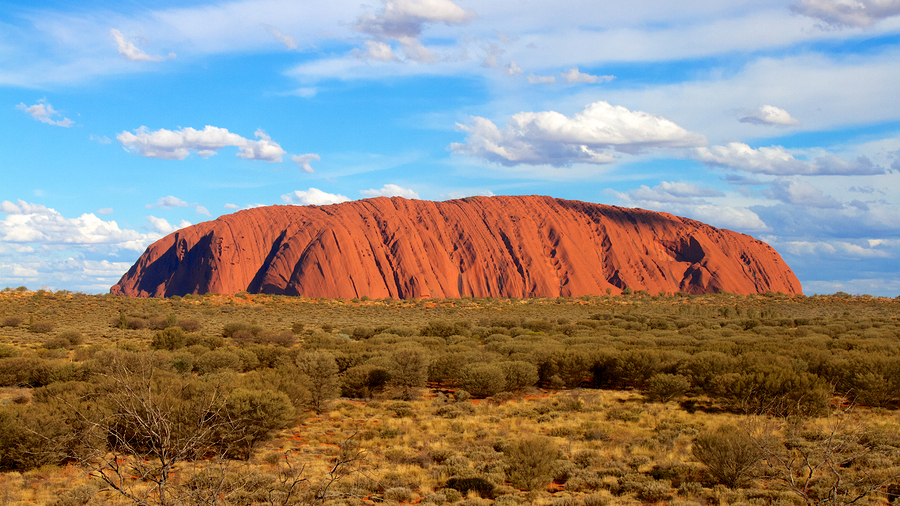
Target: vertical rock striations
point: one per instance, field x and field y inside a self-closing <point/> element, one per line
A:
<point x="480" y="246"/>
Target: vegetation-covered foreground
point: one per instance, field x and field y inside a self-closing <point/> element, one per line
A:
<point x="258" y="399"/>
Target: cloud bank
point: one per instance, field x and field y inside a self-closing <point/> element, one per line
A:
<point x="848" y="13"/>
<point x="778" y="161"/>
<point x="590" y="136"/>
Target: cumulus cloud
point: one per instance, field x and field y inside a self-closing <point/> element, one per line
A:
<point x="178" y="144"/>
<point x="287" y="40"/>
<point x="800" y="193"/>
<point x="574" y="76"/>
<point x="45" y="113"/>
<point x="131" y="52"/>
<point x="162" y="226"/>
<point x="778" y="161"/>
<point x="769" y="115"/>
<point x="28" y="223"/>
<point x="848" y="13"/>
<point x="587" y="137"/>
<point x="303" y="161"/>
<point x="403" y="21"/>
<point x="390" y="190"/>
<point x="313" y="197"/>
<point x="536" y="79"/>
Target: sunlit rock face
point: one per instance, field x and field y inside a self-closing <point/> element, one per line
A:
<point x="524" y="246"/>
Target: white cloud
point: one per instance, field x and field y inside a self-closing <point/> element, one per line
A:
<point x="27" y="223"/>
<point x="304" y="92"/>
<point x="168" y="203"/>
<point x="722" y="216"/>
<point x="513" y="69"/>
<point x="390" y="190"/>
<point x="171" y="202"/>
<point x="287" y="40"/>
<point x="44" y="112"/>
<point x="536" y="79"/>
<point x="303" y="161"/>
<point x="178" y="144"/>
<point x="162" y="226"/>
<point x="769" y="115"/>
<point x="378" y="51"/>
<point x="313" y="197"/>
<point x="574" y="76"/>
<point x="848" y="13"/>
<point x="800" y="193"/>
<point x="461" y="194"/>
<point x="666" y="191"/>
<point x="403" y="21"/>
<point x="776" y="160"/>
<point x="684" y="199"/>
<point x="588" y="137"/>
<point x="841" y="249"/>
<point x="130" y="51"/>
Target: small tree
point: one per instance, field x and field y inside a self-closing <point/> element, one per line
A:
<point x="321" y="378"/>
<point x="408" y="368"/>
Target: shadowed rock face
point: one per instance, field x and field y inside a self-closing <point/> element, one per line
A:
<point x="479" y="246"/>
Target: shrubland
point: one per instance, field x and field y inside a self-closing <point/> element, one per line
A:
<point x="262" y="399"/>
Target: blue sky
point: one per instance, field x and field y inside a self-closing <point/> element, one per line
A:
<point x="121" y="122"/>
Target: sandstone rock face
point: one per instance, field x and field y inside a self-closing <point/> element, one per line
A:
<point x="480" y="246"/>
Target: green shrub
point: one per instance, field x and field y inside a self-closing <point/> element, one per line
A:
<point x="479" y="485"/>
<point x="529" y="462"/>
<point x="42" y="327"/>
<point x="729" y="454"/>
<point x="663" y="387"/>
<point x="218" y="360"/>
<point x="519" y="375"/>
<point x="171" y="338"/>
<point x="11" y="321"/>
<point x="482" y="379"/>
<point x="362" y="381"/>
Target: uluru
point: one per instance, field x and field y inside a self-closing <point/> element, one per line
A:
<point x="502" y="246"/>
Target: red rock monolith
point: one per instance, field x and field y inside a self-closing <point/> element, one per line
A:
<point x="524" y="246"/>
